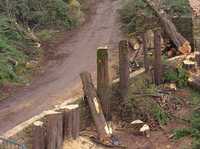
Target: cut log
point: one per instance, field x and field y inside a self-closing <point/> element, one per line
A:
<point x="71" y="121"/>
<point x="73" y="114"/>
<point x="103" y="80"/>
<point x="95" y="107"/>
<point x="158" y="58"/>
<point x="38" y="135"/>
<point x="189" y="65"/>
<point x="181" y="43"/>
<point x="123" y="67"/>
<point x="54" y="128"/>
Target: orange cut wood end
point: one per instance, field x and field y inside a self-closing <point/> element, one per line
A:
<point x="185" y="48"/>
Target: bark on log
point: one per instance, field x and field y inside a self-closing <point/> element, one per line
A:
<point x="181" y="43"/>
<point x="71" y="121"/>
<point x="189" y="65"/>
<point x="146" y="62"/>
<point x="123" y="68"/>
<point x="158" y="58"/>
<point x="54" y="126"/>
<point x="103" y="81"/>
<point x="38" y="135"/>
<point x="95" y="107"/>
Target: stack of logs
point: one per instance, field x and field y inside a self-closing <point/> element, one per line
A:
<point x="56" y="126"/>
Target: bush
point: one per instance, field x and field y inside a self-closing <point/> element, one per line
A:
<point x="160" y="115"/>
<point x="10" y="61"/>
<point x="38" y="12"/>
<point x="135" y="16"/>
<point x="178" y="75"/>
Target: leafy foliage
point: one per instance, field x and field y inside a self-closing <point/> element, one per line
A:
<point x="10" y="60"/>
<point x="179" y="76"/>
<point x="135" y="16"/>
<point x="18" y="19"/>
<point x="177" y="7"/>
<point x="160" y="115"/>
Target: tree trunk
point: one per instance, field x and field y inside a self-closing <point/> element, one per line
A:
<point x="146" y="62"/>
<point x="123" y="68"/>
<point x="158" y="58"/>
<point x="103" y="81"/>
<point x="95" y="107"/>
<point x="181" y="43"/>
<point x="54" y="130"/>
<point x="38" y="135"/>
<point x="197" y="57"/>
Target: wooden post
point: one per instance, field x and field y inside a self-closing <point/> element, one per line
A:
<point x="95" y="106"/>
<point x="158" y="58"/>
<point x="197" y="57"/>
<point x="103" y="81"/>
<point x="38" y="135"/>
<point x="123" y="67"/>
<point x="72" y="121"/>
<point x="54" y="128"/>
<point x="146" y="62"/>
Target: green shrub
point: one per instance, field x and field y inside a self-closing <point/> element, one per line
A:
<point x="10" y="60"/>
<point x="8" y="28"/>
<point x="134" y="14"/>
<point x="178" y="75"/>
<point x="177" y="7"/>
<point x="160" y="115"/>
<point x="193" y="130"/>
<point x="38" y="13"/>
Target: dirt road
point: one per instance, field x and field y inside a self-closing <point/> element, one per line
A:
<point x="61" y="80"/>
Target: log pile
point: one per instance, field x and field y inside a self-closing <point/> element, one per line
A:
<point x="180" y="42"/>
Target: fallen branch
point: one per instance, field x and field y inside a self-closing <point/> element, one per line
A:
<point x="181" y="43"/>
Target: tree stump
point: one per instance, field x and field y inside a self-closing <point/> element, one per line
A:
<point x="38" y="135"/>
<point x="123" y="68"/>
<point x="194" y="82"/>
<point x="72" y="121"/>
<point x="158" y="58"/>
<point x="103" y="81"/>
<point x="189" y="65"/>
<point x="54" y="128"/>
<point x="95" y="107"/>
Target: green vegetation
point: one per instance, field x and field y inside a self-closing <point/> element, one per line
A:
<point x="178" y="76"/>
<point x="135" y="16"/>
<point x="178" y="7"/>
<point x="160" y="115"/>
<point x="194" y="127"/>
<point x="24" y="23"/>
